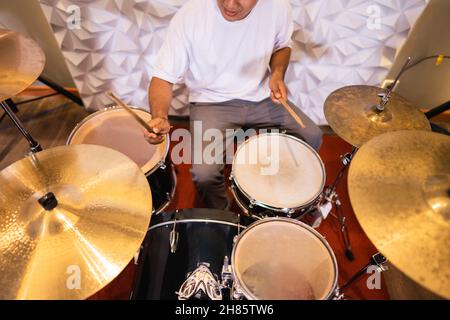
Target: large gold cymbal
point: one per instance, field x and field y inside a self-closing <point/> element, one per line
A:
<point x="71" y="251"/>
<point x="21" y="63"/>
<point x="350" y="112"/>
<point x="399" y="186"/>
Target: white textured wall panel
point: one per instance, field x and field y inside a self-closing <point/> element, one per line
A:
<point x="337" y="43"/>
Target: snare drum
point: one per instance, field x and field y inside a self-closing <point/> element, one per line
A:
<point x="183" y="255"/>
<point x="275" y="174"/>
<point x="283" y="259"/>
<point x="114" y="128"/>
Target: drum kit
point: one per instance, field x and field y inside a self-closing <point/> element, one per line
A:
<point x="72" y="217"/>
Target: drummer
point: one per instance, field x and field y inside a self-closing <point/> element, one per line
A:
<point x="232" y="56"/>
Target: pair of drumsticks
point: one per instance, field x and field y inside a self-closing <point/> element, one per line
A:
<point x="149" y="129"/>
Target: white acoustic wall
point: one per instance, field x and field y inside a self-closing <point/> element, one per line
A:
<point x="337" y="43"/>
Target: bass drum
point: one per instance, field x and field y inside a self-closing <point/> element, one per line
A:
<point x="183" y="254"/>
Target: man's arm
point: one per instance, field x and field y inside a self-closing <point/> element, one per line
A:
<point x="278" y="65"/>
<point x="160" y="98"/>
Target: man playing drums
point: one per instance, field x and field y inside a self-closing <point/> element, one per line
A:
<point x="232" y="56"/>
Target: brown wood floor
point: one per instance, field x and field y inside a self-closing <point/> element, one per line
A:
<point x="51" y="120"/>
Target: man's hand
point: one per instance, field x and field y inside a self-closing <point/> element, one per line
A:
<point x="278" y="89"/>
<point x="160" y="126"/>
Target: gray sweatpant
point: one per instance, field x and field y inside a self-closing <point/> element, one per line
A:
<point x="237" y="114"/>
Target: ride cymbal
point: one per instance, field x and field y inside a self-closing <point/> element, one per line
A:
<point x="21" y="63"/>
<point x="399" y="187"/>
<point x="74" y="246"/>
<point x="351" y="113"/>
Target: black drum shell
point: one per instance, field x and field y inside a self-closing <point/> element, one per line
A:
<point x="162" y="183"/>
<point x="258" y="211"/>
<point x="205" y="235"/>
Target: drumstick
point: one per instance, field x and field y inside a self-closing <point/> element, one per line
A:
<point x="130" y="111"/>
<point x="292" y="113"/>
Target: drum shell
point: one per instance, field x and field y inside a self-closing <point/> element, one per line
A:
<point x="259" y="210"/>
<point x="205" y="235"/>
<point x="162" y="183"/>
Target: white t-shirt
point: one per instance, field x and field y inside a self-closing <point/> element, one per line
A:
<point x="221" y="60"/>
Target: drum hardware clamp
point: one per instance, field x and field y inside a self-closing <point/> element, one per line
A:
<point x="377" y="259"/>
<point x="227" y="278"/>
<point x="162" y="165"/>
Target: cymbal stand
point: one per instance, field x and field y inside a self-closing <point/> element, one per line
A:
<point x="331" y="196"/>
<point x="34" y="145"/>
<point x="376" y="260"/>
<point x="385" y="97"/>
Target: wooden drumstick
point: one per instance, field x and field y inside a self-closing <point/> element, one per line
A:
<point x="292" y="113"/>
<point x="130" y="111"/>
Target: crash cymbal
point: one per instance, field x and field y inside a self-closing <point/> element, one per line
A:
<point x="21" y="63"/>
<point x="71" y="251"/>
<point x="350" y="112"/>
<point x="399" y="186"/>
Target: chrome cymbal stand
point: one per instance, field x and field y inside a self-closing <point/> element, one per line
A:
<point x="376" y="260"/>
<point x="330" y="196"/>
<point x="34" y="145"/>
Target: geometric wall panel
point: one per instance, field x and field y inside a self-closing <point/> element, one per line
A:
<point x="336" y="43"/>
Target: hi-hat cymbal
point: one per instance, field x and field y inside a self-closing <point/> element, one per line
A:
<point x="350" y="112"/>
<point x="21" y="63"/>
<point x="399" y="186"/>
<point x="71" y="251"/>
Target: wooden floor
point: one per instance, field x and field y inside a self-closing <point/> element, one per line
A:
<point x="51" y="120"/>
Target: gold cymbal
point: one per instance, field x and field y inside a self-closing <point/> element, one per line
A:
<point x="399" y="186"/>
<point x="350" y="112"/>
<point x="21" y="63"/>
<point x="70" y="252"/>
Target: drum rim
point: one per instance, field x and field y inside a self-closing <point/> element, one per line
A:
<point x="115" y="108"/>
<point x="190" y="220"/>
<point x="268" y="206"/>
<point x="247" y="293"/>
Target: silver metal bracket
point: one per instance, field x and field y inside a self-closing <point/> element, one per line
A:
<point x="173" y="238"/>
<point x="162" y="165"/>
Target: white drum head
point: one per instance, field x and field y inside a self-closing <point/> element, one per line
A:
<point x="278" y="170"/>
<point x="116" y="129"/>
<point x="283" y="259"/>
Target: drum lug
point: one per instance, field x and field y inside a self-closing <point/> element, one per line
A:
<point x="168" y="196"/>
<point x="162" y="165"/>
<point x="173" y="238"/>
<point x="252" y="203"/>
<point x="231" y="178"/>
